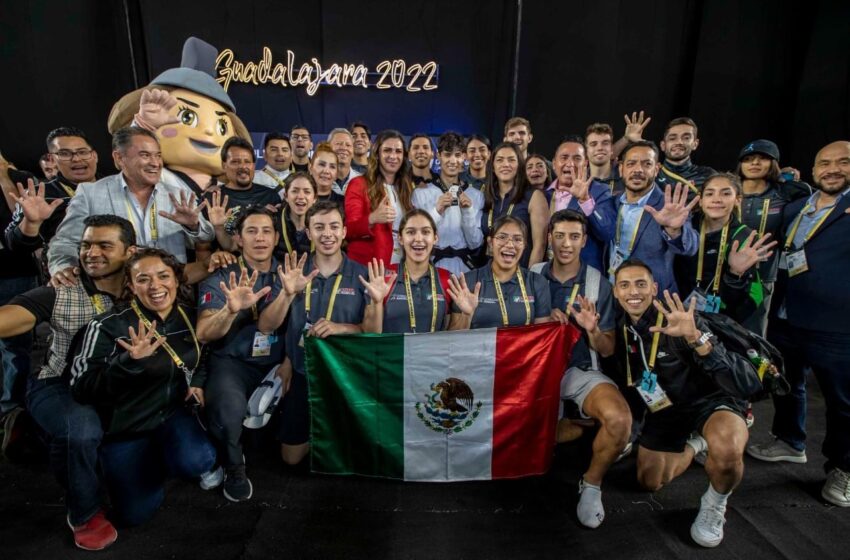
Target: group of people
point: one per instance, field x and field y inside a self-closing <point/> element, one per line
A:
<point x="169" y="301"/>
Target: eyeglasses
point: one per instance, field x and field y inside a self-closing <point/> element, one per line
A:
<point x="504" y="238"/>
<point x="68" y="155"/>
<point x="300" y="136"/>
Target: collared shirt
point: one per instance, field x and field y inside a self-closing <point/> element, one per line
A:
<point x="562" y="200"/>
<point x="813" y="217"/>
<point x="458" y="228"/>
<point x="238" y="343"/>
<point x="142" y="218"/>
<point x="340" y="185"/>
<point x="503" y="206"/>
<point x="489" y="314"/>
<point x="397" y="311"/>
<point x="561" y="293"/>
<point x="349" y="305"/>
<point x="474" y="182"/>
<point x="629" y="218"/>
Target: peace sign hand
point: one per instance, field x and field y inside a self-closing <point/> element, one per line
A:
<point x="218" y="211"/>
<point x="749" y="254"/>
<point x="241" y="296"/>
<point x="635" y="126"/>
<point x="141" y="345"/>
<point x="292" y="274"/>
<point x="586" y="316"/>
<point x="465" y="300"/>
<point x="35" y="207"/>
<point x="379" y="284"/>
<point x="680" y="321"/>
<point x="185" y="212"/>
<point x="676" y="209"/>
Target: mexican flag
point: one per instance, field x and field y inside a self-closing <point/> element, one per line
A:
<point x="464" y="405"/>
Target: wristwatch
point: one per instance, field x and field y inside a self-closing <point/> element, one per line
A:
<point x="704" y="337"/>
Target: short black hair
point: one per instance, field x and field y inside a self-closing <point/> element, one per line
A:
<point x="574" y="138"/>
<point x="360" y="124"/>
<point x="300" y="126"/>
<point x="253" y="210"/>
<point x="421" y="135"/>
<point x="275" y="136"/>
<point x="450" y="141"/>
<point x="128" y="232"/>
<point x="641" y="144"/>
<point x="65" y="131"/>
<point x="567" y="216"/>
<point x="123" y="137"/>
<point x="631" y="263"/>
<point x="505" y="220"/>
<point x="237" y="142"/>
<point x="323" y="207"/>
<point x="480" y="137"/>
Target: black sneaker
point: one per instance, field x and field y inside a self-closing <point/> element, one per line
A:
<point x="237" y="486"/>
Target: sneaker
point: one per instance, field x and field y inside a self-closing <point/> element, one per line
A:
<point x="95" y="534"/>
<point x="627" y="450"/>
<point x="237" y="486"/>
<point x="775" y="451"/>
<point x="589" y="511"/>
<point x="707" y="529"/>
<point x="836" y="490"/>
<point x="212" y="479"/>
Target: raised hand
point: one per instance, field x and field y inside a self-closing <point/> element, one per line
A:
<point x="384" y="213"/>
<point x="241" y="295"/>
<point x="292" y="276"/>
<point x="218" y="211"/>
<point x="680" y="321"/>
<point x="465" y="300"/>
<point x="35" y="207"/>
<point x="580" y="189"/>
<point x="144" y="344"/>
<point x="750" y="253"/>
<point x="586" y="316"/>
<point x="676" y="209"/>
<point x="155" y="109"/>
<point x="220" y="259"/>
<point x="635" y="126"/>
<point x="379" y="284"/>
<point x="444" y="202"/>
<point x="186" y="213"/>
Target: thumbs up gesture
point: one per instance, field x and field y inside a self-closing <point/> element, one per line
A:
<point x="384" y="214"/>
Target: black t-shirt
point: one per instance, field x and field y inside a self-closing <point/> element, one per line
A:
<point x="305" y="167"/>
<point x="257" y="195"/>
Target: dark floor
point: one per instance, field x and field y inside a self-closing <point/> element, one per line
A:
<point x="776" y="513"/>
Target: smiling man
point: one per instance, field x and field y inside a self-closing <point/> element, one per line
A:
<point x="277" y="152"/>
<point x="342" y="143"/>
<point x="421" y="158"/>
<point x="302" y="145"/>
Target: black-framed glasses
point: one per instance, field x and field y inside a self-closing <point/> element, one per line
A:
<point x="68" y="155"/>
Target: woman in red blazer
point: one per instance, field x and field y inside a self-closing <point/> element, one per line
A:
<point x="375" y="202"/>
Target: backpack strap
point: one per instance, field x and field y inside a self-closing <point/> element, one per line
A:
<point x="592" y="279"/>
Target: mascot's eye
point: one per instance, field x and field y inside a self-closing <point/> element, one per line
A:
<point x="222" y="127"/>
<point x="187" y="116"/>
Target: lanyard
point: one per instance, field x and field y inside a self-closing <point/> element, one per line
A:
<point x="620" y="227"/>
<point x="177" y="360"/>
<point x="721" y="255"/>
<point x="501" y="299"/>
<point x="652" y="352"/>
<point x="680" y="179"/>
<point x="330" y="303"/>
<point x="280" y="182"/>
<point x="793" y="232"/>
<point x="409" y="293"/>
<point x="572" y="299"/>
<point x="98" y="303"/>
<point x="285" y="231"/>
<point x="131" y="215"/>
<point x="68" y="190"/>
<point x="765" y="209"/>
<point x="244" y="268"/>
<point x="490" y="215"/>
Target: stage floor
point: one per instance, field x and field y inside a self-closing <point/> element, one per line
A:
<point x="776" y="513"/>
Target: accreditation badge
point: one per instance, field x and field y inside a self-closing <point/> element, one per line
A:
<point x="616" y="260"/>
<point x="307" y="326"/>
<point x="796" y="262"/>
<point x="652" y="394"/>
<point x="262" y="344"/>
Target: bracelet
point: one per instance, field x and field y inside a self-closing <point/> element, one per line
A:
<point x="704" y="337"/>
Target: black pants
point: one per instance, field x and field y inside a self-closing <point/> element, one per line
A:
<point x="228" y="388"/>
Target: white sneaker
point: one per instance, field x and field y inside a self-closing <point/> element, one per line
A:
<point x="776" y="451"/>
<point x="589" y="511"/>
<point x="707" y="528"/>
<point x="836" y="489"/>
<point x="212" y="479"/>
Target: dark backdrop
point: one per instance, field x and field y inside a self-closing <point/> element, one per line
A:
<point x="741" y="69"/>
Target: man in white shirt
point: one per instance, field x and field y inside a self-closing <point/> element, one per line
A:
<point x="342" y="143"/>
<point x="278" y="155"/>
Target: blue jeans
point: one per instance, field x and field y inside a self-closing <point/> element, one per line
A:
<point x="135" y="469"/>
<point x="828" y="354"/>
<point x="15" y="351"/>
<point x="74" y="434"/>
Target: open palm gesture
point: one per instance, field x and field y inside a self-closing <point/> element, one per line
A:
<point x="35" y="207"/>
<point x="379" y="284"/>
<point x="680" y="320"/>
<point x="144" y="343"/>
<point x="580" y="189"/>
<point x="635" y="126"/>
<point x="218" y="211"/>
<point x="291" y="274"/>
<point x="186" y="212"/>
<point x="585" y="316"/>
<point x="676" y="209"/>
<point x="240" y="295"/>
<point x="465" y="300"/>
<point x="751" y="252"/>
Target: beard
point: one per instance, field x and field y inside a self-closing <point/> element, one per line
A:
<point x="829" y="189"/>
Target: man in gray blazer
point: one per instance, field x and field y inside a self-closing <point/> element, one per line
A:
<point x="138" y="194"/>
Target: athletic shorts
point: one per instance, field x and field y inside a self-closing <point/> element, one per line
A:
<point x="668" y="430"/>
<point x="295" y="413"/>
<point x="577" y="384"/>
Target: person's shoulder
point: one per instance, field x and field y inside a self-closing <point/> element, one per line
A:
<point x="353" y="268"/>
<point x="357" y="184"/>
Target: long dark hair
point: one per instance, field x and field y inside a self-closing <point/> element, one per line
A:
<point x="491" y="184"/>
<point x="412" y="214"/>
<point x="374" y="179"/>
<point x="184" y="292"/>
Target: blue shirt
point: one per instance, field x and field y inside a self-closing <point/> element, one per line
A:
<point x="489" y="313"/>
<point x="629" y="220"/>
<point x="813" y="217"/>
